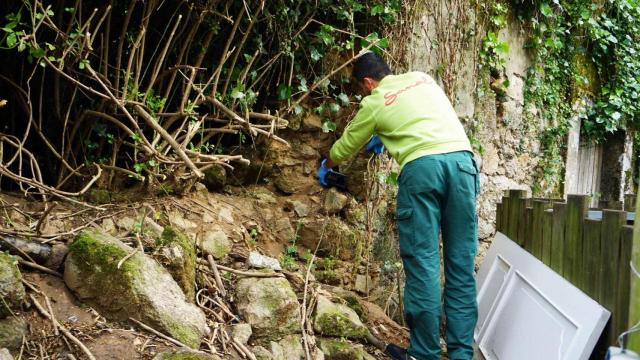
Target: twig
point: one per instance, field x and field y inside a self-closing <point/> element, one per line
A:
<point x="44" y="216"/>
<point x="53" y="317"/>
<point x="167" y="137"/>
<point x="158" y="333"/>
<point x="62" y="328"/>
<point x="38" y="267"/>
<point x="216" y="275"/>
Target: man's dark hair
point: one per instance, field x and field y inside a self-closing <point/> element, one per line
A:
<point x="370" y="65"/>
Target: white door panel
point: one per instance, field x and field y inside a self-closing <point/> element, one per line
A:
<point x="528" y="312"/>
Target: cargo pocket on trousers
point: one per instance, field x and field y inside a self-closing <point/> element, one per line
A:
<point x="404" y="219"/>
<point x="471" y="170"/>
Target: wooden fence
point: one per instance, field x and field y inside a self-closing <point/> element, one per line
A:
<point x="591" y="248"/>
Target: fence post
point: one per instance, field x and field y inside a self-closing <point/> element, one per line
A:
<point x="537" y="227"/>
<point x="547" y="233"/>
<point x="577" y="207"/>
<point x="634" y="299"/>
<point x="516" y="214"/>
<point x="612" y="222"/>
<point x="592" y="257"/>
<point x="624" y="278"/>
<point x="557" y="236"/>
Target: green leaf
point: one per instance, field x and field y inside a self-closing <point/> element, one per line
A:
<point x="328" y="126"/>
<point x="297" y="109"/>
<point x="284" y="92"/>
<point x="392" y="178"/>
<point x="377" y="10"/>
<point x="315" y="55"/>
<point x="12" y="40"/>
<point x="546" y="10"/>
<point x="344" y="99"/>
<point x="334" y="107"/>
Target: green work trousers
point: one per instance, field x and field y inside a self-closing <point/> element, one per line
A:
<point x="438" y="193"/>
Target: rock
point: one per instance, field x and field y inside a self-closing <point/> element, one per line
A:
<point x="264" y="196"/>
<point x="225" y="215"/>
<point x="301" y="209"/>
<point x="339" y="239"/>
<point x="259" y="261"/>
<point x="36" y="250"/>
<point x="215" y="243"/>
<point x="363" y="283"/>
<point x="5" y="354"/>
<point x="58" y="253"/>
<point x="12" y="330"/>
<point x="126" y="223"/>
<point x="337" y="320"/>
<point x="12" y="291"/>
<point x="339" y="349"/>
<point x="283" y="229"/>
<point x="215" y="178"/>
<point x="141" y="288"/>
<point x="289" y="348"/>
<point x="177" y="220"/>
<point x="307" y="152"/>
<point x="291" y="180"/>
<point x="178" y="254"/>
<point x="269" y="305"/>
<point x="200" y="187"/>
<point x="108" y="226"/>
<point x="207" y="218"/>
<point x="185" y="355"/>
<point x="334" y="201"/>
<point x="312" y="122"/>
<point x="241" y="332"/>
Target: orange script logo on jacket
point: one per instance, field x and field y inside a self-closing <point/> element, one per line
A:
<point x="391" y="96"/>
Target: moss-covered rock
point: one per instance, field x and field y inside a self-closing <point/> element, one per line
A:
<point x="338" y="239"/>
<point x="269" y="305"/>
<point x="140" y="288"/>
<point x="178" y="254"/>
<point x="215" y="178"/>
<point x="337" y="320"/>
<point x="11" y="289"/>
<point x="215" y="243"/>
<point x="340" y="349"/>
<point x="184" y="355"/>
<point x="12" y="330"/>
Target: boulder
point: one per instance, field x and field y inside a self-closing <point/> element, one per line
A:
<point x="312" y="122"/>
<point x="259" y="261"/>
<point x="340" y="349"/>
<point x="241" y="332"/>
<point x="334" y="201"/>
<point x="291" y="180"/>
<point x="11" y="289"/>
<point x="185" y="354"/>
<point x="215" y="243"/>
<point x="225" y="215"/>
<point x="215" y="178"/>
<point x="339" y="239"/>
<point x="301" y="209"/>
<point x="178" y="254"/>
<point x="5" y="354"/>
<point x="287" y="348"/>
<point x="12" y="330"/>
<point x="337" y="320"/>
<point x="269" y="305"/>
<point x="141" y="288"/>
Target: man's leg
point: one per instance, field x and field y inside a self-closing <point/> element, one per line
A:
<point x="418" y="214"/>
<point x="459" y="230"/>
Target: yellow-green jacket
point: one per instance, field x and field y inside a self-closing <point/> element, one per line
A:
<point x="412" y="116"/>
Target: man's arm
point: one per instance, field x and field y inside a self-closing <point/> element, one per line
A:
<point x="356" y="134"/>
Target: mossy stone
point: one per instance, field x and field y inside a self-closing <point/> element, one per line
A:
<point x="178" y="254"/>
<point x="140" y="288"/>
<point x="337" y="320"/>
<point x="12" y="292"/>
<point x="341" y="349"/>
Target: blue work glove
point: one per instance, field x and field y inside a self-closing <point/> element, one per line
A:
<point x="323" y="170"/>
<point x="375" y="145"/>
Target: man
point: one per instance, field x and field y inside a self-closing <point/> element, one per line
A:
<point x="438" y="185"/>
